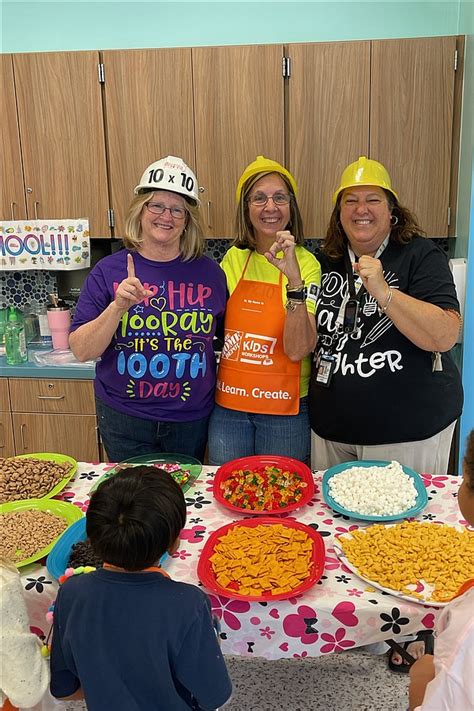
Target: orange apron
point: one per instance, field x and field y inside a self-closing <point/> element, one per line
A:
<point x="255" y="374"/>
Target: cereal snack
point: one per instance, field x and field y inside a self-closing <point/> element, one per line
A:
<point x="30" y="477"/>
<point x="27" y="531"/>
<point x="439" y="556"/>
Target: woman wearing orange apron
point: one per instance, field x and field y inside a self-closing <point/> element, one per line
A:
<point x="273" y="281"/>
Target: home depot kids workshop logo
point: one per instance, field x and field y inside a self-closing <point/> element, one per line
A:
<point x="248" y="347"/>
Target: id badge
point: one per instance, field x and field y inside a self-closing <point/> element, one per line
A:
<point x="351" y="311"/>
<point x="326" y="365"/>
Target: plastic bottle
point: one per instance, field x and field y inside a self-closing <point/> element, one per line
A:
<point x="45" y="331"/>
<point x="15" y="341"/>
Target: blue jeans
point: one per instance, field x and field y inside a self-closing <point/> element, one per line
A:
<point x="126" y="436"/>
<point x="234" y="434"/>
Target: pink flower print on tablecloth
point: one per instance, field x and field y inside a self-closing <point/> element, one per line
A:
<point x="331" y="563"/>
<point x="266" y="632"/>
<point x="83" y="505"/>
<point x="355" y="593"/>
<point x="181" y="554"/>
<point x="228" y="609"/>
<point x="432" y="480"/>
<point x="336" y="643"/>
<point x="302" y="625"/>
<point x="193" y="535"/>
<point x="342" y="529"/>
<point x="301" y="656"/>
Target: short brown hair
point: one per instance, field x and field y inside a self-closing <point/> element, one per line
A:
<point x="191" y="242"/>
<point x="401" y="233"/>
<point x="244" y="233"/>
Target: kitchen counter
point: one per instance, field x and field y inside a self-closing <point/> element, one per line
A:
<point x="31" y="369"/>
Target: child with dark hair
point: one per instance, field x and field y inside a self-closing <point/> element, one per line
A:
<point x="444" y="682"/>
<point x="126" y="635"/>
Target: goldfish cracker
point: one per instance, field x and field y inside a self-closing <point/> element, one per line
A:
<point x="402" y="555"/>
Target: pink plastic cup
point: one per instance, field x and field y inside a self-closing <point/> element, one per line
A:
<point x="59" y="320"/>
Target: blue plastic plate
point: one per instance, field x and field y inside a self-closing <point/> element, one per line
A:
<point x="421" y="497"/>
<point x="57" y="560"/>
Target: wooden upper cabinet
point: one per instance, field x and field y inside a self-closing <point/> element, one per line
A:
<point x="411" y="123"/>
<point x="12" y="190"/>
<point x="328" y="124"/>
<point x="239" y="114"/>
<point x="149" y="111"/>
<point x="62" y="134"/>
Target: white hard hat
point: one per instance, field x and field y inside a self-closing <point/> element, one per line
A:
<point x="170" y="173"/>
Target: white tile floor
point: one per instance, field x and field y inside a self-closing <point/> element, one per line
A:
<point x="351" y="681"/>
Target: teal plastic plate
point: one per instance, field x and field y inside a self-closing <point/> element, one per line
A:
<point x="177" y="464"/>
<point x="57" y="561"/>
<point x="421" y="495"/>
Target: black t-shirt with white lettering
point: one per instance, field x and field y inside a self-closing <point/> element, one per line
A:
<point x="383" y="388"/>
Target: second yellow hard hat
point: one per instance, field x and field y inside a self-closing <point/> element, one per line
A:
<point x="263" y="165"/>
<point x="365" y="171"/>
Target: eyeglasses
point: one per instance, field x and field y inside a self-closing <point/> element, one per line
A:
<point x="157" y="208"/>
<point x="260" y="199"/>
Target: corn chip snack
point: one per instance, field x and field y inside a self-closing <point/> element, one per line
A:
<point x="270" y="559"/>
<point x="407" y="553"/>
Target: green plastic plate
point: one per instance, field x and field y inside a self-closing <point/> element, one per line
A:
<point x="63" y="509"/>
<point x="184" y="462"/>
<point x="52" y="457"/>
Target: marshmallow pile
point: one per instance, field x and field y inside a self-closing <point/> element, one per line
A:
<point x="374" y="491"/>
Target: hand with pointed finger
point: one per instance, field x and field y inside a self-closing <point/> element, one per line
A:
<point x="286" y="262"/>
<point x="371" y="272"/>
<point x="130" y="291"/>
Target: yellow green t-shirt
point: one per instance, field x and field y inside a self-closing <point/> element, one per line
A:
<point x="259" y="269"/>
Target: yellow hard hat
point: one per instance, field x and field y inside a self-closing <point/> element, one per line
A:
<point x="263" y="165"/>
<point x="365" y="172"/>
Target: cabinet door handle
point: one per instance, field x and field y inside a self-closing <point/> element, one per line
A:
<point x="35" y="207"/>
<point x="50" y="397"/>
<point x="22" y="429"/>
<point x="12" y="209"/>
<point x="4" y="442"/>
<point x="209" y="214"/>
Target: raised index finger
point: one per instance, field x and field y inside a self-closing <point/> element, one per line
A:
<point x="130" y="266"/>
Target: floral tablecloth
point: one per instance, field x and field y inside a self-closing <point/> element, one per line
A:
<point x="339" y="612"/>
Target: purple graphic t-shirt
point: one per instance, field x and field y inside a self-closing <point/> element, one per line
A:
<point x="160" y="364"/>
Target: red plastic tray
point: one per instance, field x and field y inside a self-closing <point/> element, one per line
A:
<point x="293" y="465"/>
<point x="207" y="577"/>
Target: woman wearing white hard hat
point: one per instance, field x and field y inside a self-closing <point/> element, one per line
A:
<point x="150" y="312"/>
<point x="384" y="385"/>
<point x="263" y="376"/>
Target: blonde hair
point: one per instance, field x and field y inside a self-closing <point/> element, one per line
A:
<point x="244" y="232"/>
<point x="191" y="241"/>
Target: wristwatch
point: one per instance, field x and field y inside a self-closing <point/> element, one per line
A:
<point x="292" y="304"/>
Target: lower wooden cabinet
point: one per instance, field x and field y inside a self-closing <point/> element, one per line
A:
<point x="75" y="435"/>
<point x="47" y="415"/>
<point x="7" y="442"/>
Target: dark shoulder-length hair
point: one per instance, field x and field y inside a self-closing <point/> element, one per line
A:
<point x="244" y="232"/>
<point x="404" y="229"/>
